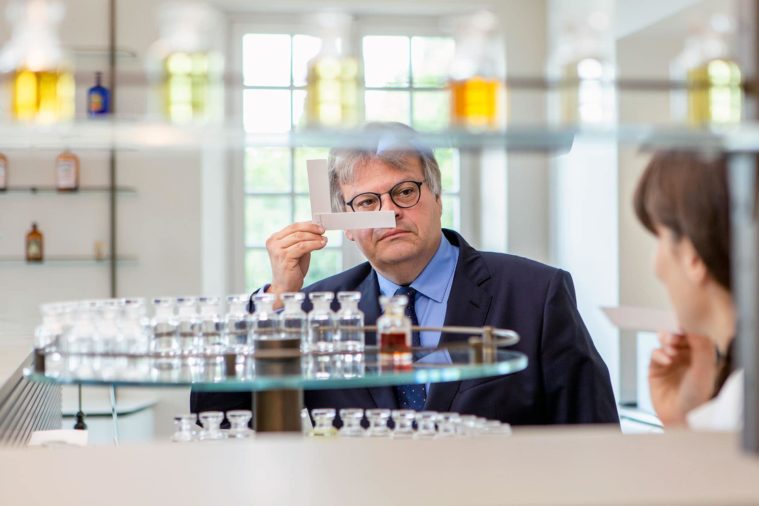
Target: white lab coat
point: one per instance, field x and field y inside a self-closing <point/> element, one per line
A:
<point x="724" y="412"/>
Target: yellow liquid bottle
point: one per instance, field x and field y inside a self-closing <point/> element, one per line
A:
<point x="46" y="96"/>
<point x="475" y="102"/>
<point x="333" y="97"/>
<point x="715" y="93"/>
<point x="186" y="86"/>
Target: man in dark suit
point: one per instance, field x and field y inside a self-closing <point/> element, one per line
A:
<point x="448" y="282"/>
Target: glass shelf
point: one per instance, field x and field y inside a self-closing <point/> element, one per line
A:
<point x="309" y="372"/>
<point x="65" y="259"/>
<point x="153" y="135"/>
<point x="53" y="190"/>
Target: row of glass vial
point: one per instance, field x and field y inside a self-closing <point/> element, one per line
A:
<point x="186" y="427"/>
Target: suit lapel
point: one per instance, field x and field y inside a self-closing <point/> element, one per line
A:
<point x="383" y="397"/>
<point x="468" y="305"/>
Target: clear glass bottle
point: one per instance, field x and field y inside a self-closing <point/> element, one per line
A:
<point x="42" y="80"/>
<point x="238" y="421"/>
<point x="447" y="424"/>
<point x="321" y="322"/>
<point x="188" y="324"/>
<point x="323" y="423"/>
<point x="378" y="422"/>
<point x="134" y="327"/>
<point x="165" y="329"/>
<point x="264" y="323"/>
<point x="3" y="172"/>
<point x="394" y="332"/>
<point x="212" y="333"/>
<point x="292" y="319"/>
<point x="67" y="172"/>
<point x="477" y="74"/>
<point x="334" y="96"/>
<point x="98" y="98"/>
<point x="48" y="331"/>
<point x="184" y="428"/>
<point x="351" y="418"/>
<point x="404" y="423"/>
<point x="583" y="62"/>
<point x="350" y="323"/>
<point x="35" y="241"/>
<point x="237" y="322"/>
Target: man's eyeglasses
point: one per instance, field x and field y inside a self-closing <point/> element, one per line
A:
<point x="405" y="194"/>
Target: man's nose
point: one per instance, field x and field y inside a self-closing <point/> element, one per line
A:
<point x="389" y="205"/>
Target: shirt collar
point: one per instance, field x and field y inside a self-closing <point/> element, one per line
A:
<point x="434" y="279"/>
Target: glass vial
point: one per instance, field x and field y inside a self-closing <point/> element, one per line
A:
<point x="67" y="172"/>
<point x="237" y="322"/>
<point x="334" y="94"/>
<point x="321" y="322"/>
<point x="42" y="81"/>
<point x="323" y="423"/>
<point x="3" y="172"/>
<point x="34" y="245"/>
<point x="394" y="332"/>
<point x="292" y="319"/>
<point x="164" y="327"/>
<point x="350" y="323"/>
<point x="98" y="98"/>
<point x="351" y="418"/>
<point x="188" y="329"/>
<point x="477" y="74"/>
<point x="264" y="324"/>
<point x="211" y="330"/>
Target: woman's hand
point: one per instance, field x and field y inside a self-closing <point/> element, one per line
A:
<point x="681" y="375"/>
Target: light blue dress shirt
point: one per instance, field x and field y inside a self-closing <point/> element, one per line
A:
<point x="433" y="287"/>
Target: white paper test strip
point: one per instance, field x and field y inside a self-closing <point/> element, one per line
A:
<point x="59" y="437"/>
<point x="321" y="209"/>
<point x="642" y="319"/>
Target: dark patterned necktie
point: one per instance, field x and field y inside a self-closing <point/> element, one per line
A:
<point x="411" y="396"/>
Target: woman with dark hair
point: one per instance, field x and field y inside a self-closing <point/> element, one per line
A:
<point x="682" y="198"/>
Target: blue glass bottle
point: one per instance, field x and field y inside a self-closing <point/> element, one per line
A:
<point x="98" y="98"/>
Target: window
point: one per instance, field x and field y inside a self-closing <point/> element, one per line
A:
<point x="405" y="81"/>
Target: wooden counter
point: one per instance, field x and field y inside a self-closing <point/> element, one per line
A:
<point x="550" y="466"/>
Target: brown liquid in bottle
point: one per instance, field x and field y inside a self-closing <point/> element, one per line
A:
<point x="34" y="245"/>
<point x="395" y="350"/>
<point x="67" y="172"/>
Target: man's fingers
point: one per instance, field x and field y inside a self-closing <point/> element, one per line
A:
<point x="295" y="238"/>
<point x="302" y="226"/>
<point x="301" y="248"/>
<point x="658" y="357"/>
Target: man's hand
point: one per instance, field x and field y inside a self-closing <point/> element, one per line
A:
<point x="681" y="375"/>
<point x="290" y="255"/>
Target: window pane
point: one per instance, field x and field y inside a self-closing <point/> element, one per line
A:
<point x="257" y="269"/>
<point x="267" y="170"/>
<point x="431" y="110"/>
<point x="430" y="59"/>
<point x="299" y="104"/>
<point x="266" y="59"/>
<point x="387" y="106"/>
<point x="386" y="60"/>
<point x="324" y="263"/>
<point x="303" y="213"/>
<point x="266" y="111"/>
<point x="451" y="213"/>
<point x="264" y="216"/>
<point x="301" y="156"/>
<point x="448" y="160"/>
<point x="305" y="47"/>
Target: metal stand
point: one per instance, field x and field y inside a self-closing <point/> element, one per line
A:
<point x="80" y="425"/>
<point x="278" y="410"/>
<point x="745" y="256"/>
<point x="114" y="415"/>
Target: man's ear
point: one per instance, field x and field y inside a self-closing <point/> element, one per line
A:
<point x="694" y="266"/>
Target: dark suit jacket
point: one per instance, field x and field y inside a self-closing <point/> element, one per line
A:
<point x="565" y="381"/>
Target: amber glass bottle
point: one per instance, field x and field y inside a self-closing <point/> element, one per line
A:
<point x="34" y="245"/>
<point x="67" y="172"/>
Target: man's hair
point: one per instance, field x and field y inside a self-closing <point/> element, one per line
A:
<point x="687" y="193"/>
<point x="389" y="142"/>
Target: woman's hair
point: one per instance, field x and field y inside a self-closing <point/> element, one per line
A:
<point x="389" y="142"/>
<point x="687" y="193"/>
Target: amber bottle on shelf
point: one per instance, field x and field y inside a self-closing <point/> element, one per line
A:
<point x="67" y="172"/>
<point x="34" y="244"/>
<point x="3" y="173"/>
